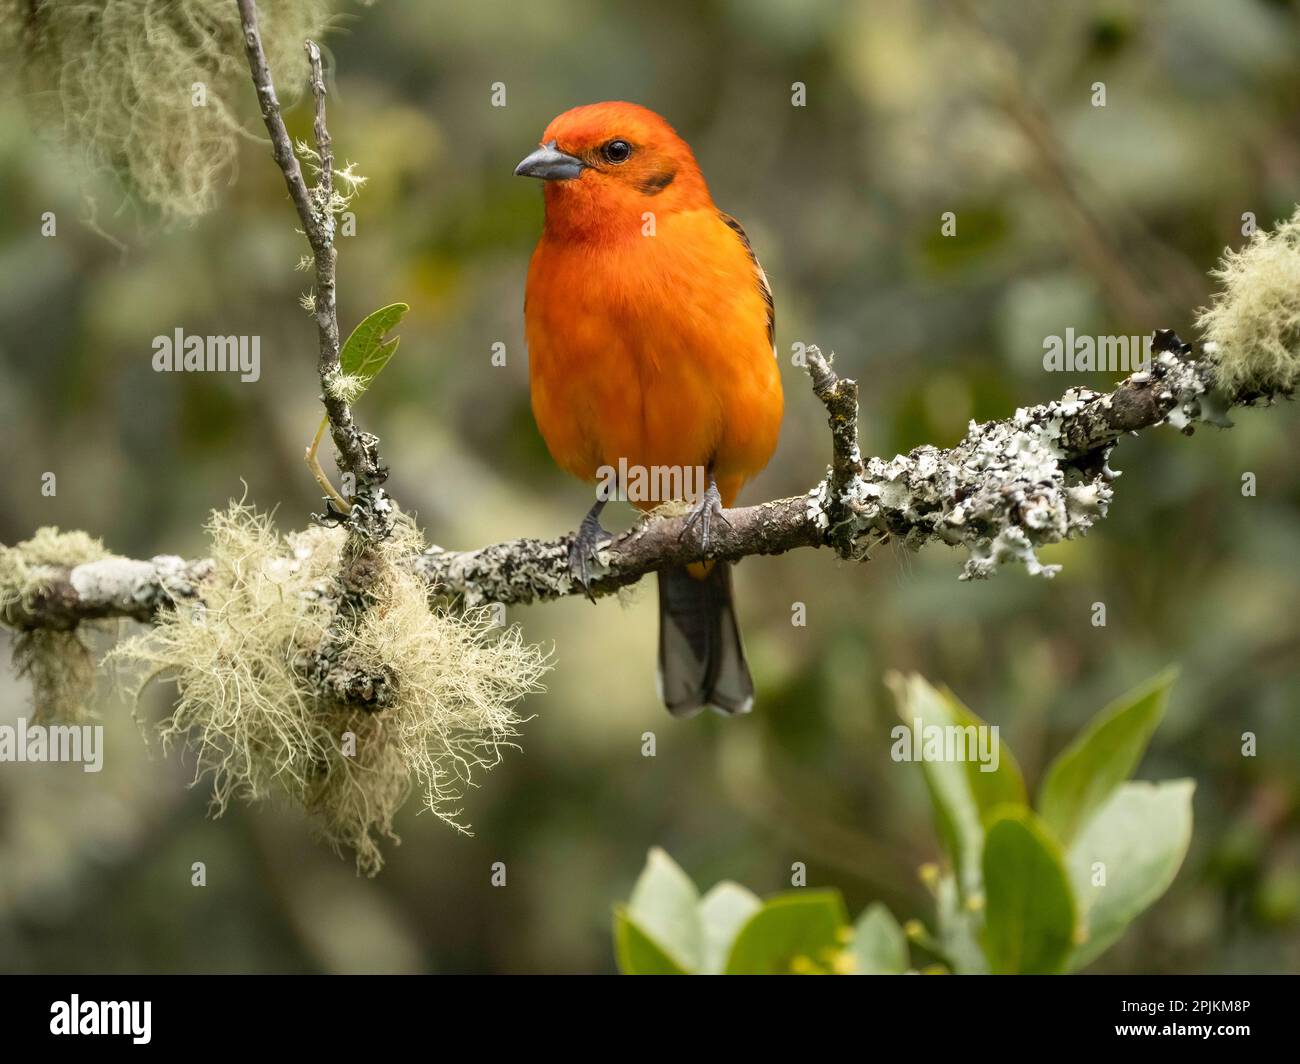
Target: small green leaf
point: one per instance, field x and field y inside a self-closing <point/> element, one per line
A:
<point x="957" y="817"/>
<point x="798" y="927"/>
<point x="963" y="796"/>
<point x="1101" y="757"/>
<point x="366" y="352"/>
<point x="637" y="953"/>
<point x="722" y="912"/>
<point x="879" y="946"/>
<point x="1137" y="842"/>
<point x="998" y="781"/>
<point x="1029" y="916"/>
<point x="663" y="906"/>
<point x="958" y="931"/>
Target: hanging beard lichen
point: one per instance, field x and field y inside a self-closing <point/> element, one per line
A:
<point x="151" y="90"/>
<point x="58" y="663"/>
<point x="1252" y="326"/>
<point x="258" y="724"/>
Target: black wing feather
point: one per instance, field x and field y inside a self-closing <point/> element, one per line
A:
<point x="763" y="286"/>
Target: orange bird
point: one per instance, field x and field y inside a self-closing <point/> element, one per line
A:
<point x="650" y="338"/>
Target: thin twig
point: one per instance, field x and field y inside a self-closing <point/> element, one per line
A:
<point x="840" y="397"/>
<point x="313" y="463"/>
<point x="357" y="450"/>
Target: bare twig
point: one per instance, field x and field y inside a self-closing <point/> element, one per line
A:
<point x="357" y="450"/>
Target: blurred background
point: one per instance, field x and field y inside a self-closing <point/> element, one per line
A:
<point x="1103" y="219"/>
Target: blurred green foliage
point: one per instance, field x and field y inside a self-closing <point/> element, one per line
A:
<point x="1019" y="895"/>
<point x="1103" y="219"/>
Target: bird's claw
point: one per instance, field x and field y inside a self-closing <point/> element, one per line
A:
<point x="584" y="550"/>
<point x="708" y="508"/>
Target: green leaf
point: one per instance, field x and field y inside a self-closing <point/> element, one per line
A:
<point x="1101" y="757"/>
<point x="663" y="906"/>
<point x="366" y="352"/>
<point x="879" y="946"/>
<point x="637" y="953"/>
<point x="1138" y="840"/>
<point x="995" y="783"/>
<point x="722" y="912"/>
<point x="957" y="817"/>
<point x="1029" y="916"/>
<point x="963" y="796"/>
<point x="801" y="926"/>
<point x="958" y="931"/>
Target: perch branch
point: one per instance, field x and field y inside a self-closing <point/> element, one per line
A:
<point x="111" y="587"/>
<point x="1008" y="488"/>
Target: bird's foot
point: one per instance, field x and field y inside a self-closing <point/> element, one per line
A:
<point x="584" y="548"/>
<point x="706" y="511"/>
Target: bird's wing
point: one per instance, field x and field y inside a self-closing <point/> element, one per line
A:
<point x="763" y="286"/>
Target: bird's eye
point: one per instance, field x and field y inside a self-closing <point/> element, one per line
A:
<point x="617" y="151"/>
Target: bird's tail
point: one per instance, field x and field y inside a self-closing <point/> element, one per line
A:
<point x="701" y="658"/>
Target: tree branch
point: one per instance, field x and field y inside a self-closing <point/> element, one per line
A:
<point x="111" y="587"/>
<point x="1008" y="488"/>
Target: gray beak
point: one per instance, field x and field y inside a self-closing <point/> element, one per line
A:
<point x="549" y="164"/>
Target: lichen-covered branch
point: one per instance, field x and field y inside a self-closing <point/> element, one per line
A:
<point x="1007" y="489"/>
<point x="840" y="397"/>
<point x="58" y="597"/>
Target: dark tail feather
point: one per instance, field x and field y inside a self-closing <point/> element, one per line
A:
<point x="701" y="659"/>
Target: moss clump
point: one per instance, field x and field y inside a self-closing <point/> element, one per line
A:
<point x="259" y="725"/>
<point x="1254" y="322"/>
<point x="26" y="568"/>
<point x="114" y="80"/>
<point x="58" y="663"/>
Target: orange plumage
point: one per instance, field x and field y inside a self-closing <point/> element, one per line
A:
<point x="648" y="319"/>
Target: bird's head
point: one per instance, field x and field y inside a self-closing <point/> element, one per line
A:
<point x="605" y="164"/>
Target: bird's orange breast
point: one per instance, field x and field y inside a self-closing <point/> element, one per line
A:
<point x="654" y="350"/>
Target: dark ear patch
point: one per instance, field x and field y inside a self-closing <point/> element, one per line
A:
<point x="656" y="183"/>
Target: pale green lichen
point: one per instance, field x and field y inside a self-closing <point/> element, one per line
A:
<point x="345" y="185"/>
<point x="152" y="90"/>
<point x="256" y="723"/>
<point x="347" y="387"/>
<point x="61" y="669"/>
<point x="27" y="567"/>
<point x="59" y="665"/>
<point x="1252" y="326"/>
